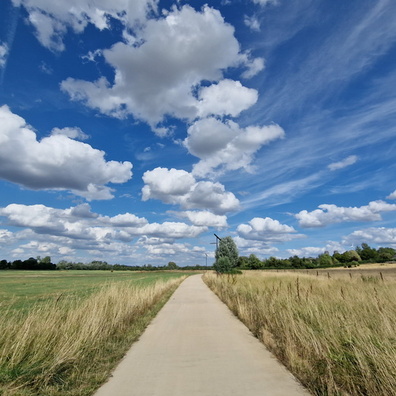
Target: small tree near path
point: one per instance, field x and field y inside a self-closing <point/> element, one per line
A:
<point x="226" y="256"/>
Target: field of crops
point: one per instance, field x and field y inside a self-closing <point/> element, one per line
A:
<point x="61" y="333"/>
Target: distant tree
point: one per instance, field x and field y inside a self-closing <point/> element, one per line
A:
<point x="367" y="253"/>
<point x="325" y="260"/>
<point x="4" y="264"/>
<point x="44" y="260"/>
<point x="227" y="248"/>
<point x="347" y="257"/>
<point x="386" y="254"/>
<point x="254" y="262"/>
<point x="296" y="262"/>
<point x="243" y="262"/>
<point x="354" y="255"/>
<point x="284" y="263"/>
<point x="17" y="264"/>
<point x="172" y="265"/>
<point x="272" y="262"/>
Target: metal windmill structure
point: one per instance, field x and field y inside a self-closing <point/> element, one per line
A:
<point x="216" y="242"/>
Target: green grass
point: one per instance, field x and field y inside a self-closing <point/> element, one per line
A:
<point x="22" y="289"/>
<point x="68" y="345"/>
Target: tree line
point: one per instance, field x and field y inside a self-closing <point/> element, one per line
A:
<point x="33" y="264"/>
<point x="227" y="260"/>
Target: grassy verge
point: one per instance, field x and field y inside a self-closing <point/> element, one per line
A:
<point x="68" y="346"/>
<point x="336" y="335"/>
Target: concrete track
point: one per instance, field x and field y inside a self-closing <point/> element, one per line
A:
<point x="195" y="346"/>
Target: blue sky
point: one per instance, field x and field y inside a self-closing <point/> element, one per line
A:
<point x="132" y="130"/>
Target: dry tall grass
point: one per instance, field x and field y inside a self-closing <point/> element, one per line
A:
<point x="336" y="335"/>
<point x="67" y="347"/>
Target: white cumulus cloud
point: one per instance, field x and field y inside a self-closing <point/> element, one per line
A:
<point x="80" y="228"/>
<point x="179" y="187"/>
<point x="51" y="19"/>
<point x="392" y="196"/>
<point x="205" y="218"/>
<point x="225" y="146"/>
<point x="228" y="97"/>
<point x="330" y="214"/>
<point x="267" y="230"/>
<point x="248" y="246"/>
<point x="72" y="133"/>
<point x="55" y="162"/>
<point x="254" y="67"/>
<point x="191" y="47"/>
<point x="252" y="22"/>
<point x="167" y="185"/>
<point x="379" y="235"/>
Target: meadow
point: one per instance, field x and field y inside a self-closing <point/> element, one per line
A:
<point x="62" y="333"/>
<point x="335" y="333"/>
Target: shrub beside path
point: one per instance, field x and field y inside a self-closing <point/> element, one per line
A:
<point x="196" y="347"/>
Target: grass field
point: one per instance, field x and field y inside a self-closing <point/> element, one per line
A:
<point x="23" y="289"/>
<point x="62" y="333"/>
<point x="337" y="334"/>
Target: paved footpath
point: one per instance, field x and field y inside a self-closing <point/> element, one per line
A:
<point x="196" y="347"/>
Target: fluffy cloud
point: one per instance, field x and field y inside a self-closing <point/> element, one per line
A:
<point x="45" y="220"/>
<point x="225" y="146"/>
<point x="171" y="230"/>
<point x="162" y="247"/>
<point x="6" y="237"/>
<point x="167" y="185"/>
<point x="179" y="187"/>
<point x="191" y="47"/>
<point x="168" y="249"/>
<point x="228" y="97"/>
<point x="381" y="236"/>
<point x="330" y="214"/>
<point x="52" y="19"/>
<point x="124" y="220"/>
<point x="306" y="251"/>
<point x="3" y="54"/>
<point x="344" y="163"/>
<point x="88" y="229"/>
<point x="55" y="162"/>
<point x="261" y="248"/>
<point x="72" y="133"/>
<point x="205" y="218"/>
<point x="254" y="67"/>
<point x="392" y="196"/>
<point x="267" y="230"/>
<point x="211" y="196"/>
<point x="312" y="251"/>
<point x="252" y="22"/>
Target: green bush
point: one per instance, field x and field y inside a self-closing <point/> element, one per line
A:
<point x="222" y="265"/>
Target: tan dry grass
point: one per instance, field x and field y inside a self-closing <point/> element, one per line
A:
<point x="67" y="347"/>
<point x="336" y="335"/>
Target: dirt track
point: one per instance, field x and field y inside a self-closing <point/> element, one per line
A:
<point x="195" y="346"/>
